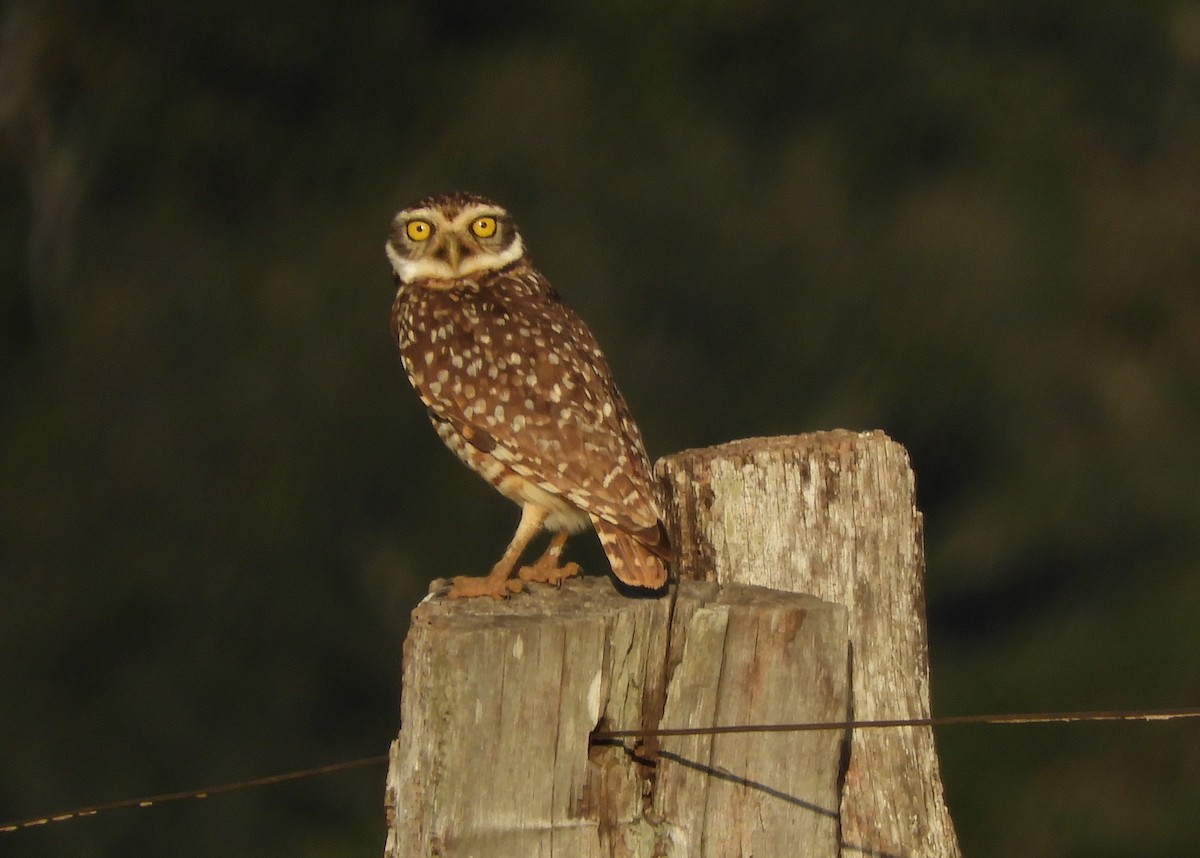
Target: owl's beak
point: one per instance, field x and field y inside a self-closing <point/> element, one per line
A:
<point x="451" y="252"/>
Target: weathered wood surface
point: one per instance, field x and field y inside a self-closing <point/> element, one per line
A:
<point x="749" y="656"/>
<point x="493" y="759"/>
<point x="833" y="514"/>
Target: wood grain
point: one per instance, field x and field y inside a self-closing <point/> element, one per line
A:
<point x="500" y="699"/>
<point x="833" y="514"/>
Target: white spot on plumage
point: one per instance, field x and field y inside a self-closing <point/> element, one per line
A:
<point x="579" y="499"/>
<point x="491" y="468"/>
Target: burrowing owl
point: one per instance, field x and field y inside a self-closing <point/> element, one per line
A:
<point x="518" y="388"/>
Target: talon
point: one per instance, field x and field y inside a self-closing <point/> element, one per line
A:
<point x="547" y="571"/>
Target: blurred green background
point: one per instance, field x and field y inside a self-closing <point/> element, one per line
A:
<point x="975" y="226"/>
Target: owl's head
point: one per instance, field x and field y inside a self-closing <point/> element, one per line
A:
<point x="444" y="237"/>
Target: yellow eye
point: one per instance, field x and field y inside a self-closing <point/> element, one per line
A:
<point x="484" y="227"/>
<point x="418" y="230"/>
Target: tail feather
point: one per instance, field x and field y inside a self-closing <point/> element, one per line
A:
<point x="632" y="562"/>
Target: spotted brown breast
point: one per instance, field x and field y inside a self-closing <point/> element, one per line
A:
<point x="519" y="389"/>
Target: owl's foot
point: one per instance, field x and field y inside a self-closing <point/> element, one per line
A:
<point x="546" y="570"/>
<point x="470" y="586"/>
<point x="499" y="583"/>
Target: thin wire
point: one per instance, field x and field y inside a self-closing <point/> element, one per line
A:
<point x="34" y="822"/>
<point x="609" y="735"/>
<point x="942" y="721"/>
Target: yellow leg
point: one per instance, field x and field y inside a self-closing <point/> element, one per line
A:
<point x="498" y="583"/>
<point x="545" y="569"/>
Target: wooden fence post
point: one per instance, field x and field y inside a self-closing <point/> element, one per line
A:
<point x="500" y="700"/>
<point x="833" y="514"/>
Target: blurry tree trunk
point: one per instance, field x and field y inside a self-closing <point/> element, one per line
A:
<point x="57" y="173"/>
<point x="833" y="514"/>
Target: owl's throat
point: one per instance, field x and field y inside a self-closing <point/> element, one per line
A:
<point x="442" y="284"/>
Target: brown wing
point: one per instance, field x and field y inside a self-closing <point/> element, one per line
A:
<point x="521" y="376"/>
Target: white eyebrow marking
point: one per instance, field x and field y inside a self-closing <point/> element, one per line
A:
<point x="475" y="210"/>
